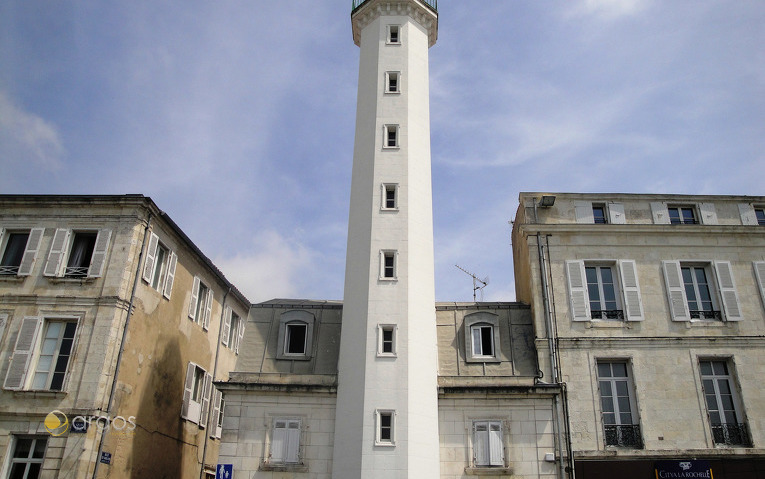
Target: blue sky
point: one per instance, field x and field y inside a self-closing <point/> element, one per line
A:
<point x="237" y="118"/>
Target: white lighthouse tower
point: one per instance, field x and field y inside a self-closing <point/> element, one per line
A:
<point x="387" y="400"/>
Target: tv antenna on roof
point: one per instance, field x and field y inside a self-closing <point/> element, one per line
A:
<point x="476" y="280"/>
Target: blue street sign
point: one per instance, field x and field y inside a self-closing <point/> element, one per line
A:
<point x="224" y="471"/>
<point x="106" y="457"/>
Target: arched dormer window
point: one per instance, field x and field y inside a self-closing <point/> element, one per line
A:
<point x="482" y="341"/>
<point x="295" y="335"/>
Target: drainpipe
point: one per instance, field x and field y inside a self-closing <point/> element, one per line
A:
<point x="211" y="406"/>
<point x="559" y="403"/>
<point x="122" y="343"/>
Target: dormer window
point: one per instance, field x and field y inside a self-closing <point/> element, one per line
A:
<point x="682" y="215"/>
<point x="295" y="335"/>
<point x="482" y="342"/>
<point x="599" y="214"/>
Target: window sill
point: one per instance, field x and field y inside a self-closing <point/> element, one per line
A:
<point x="38" y="393"/>
<point x="282" y="467"/>
<point x="386" y="355"/>
<point x="479" y="359"/>
<point x="392" y="92"/>
<point x="488" y="471"/>
<point x="66" y="279"/>
<point x="607" y="324"/>
<point x="708" y="323"/>
<point x="12" y="278"/>
<point x="388" y="148"/>
<point x="385" y="444"/>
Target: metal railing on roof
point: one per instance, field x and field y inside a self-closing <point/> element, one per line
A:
<point x="433" y="4"/>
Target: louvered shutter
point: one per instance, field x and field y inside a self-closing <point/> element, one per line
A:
<point x="151" y="256"/>
<point x="678" y="302"/>
<point x="583" y="212"/>
<point x="728" y="293"/>
<point x="170" y="278"/>
<point x="577" y="289"/>
<point x="748" y="216"/>
<point x="30" y="252"/>
<point x="481" y="443"/>
<point x="495" y="444"/>
<point x="206" y="392"/>
<point x="22" y="352"/>
<point x="215" y="428"/>
<point x="279" y="441"/>
<point x="759" y="272"/>
<point x="708" y="213"/>
<point x="616" y="213"/>
<point x="240" y="333"/>
<point x="208" y="310"/>
<point x="633" y="304"/>
<point x="98" y="260"/>
<point x="57" y="251"/>
<point x="292" y="453"/>
<point x="188" y="389"/>
<point x="660" y="213"/>
<point x="226" y="326"/>
<point x="194" y="299"/>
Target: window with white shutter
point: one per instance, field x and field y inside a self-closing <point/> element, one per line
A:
<point x="285" y="441"/>
<point x="159" y="267"/>
<point x="200" y="307"/>
<point x="604" y="290"/>
<point x="18" y="251"/>
<point x="78" y="254"/>
<point x="488" y="447"/>
<point x="23" y="352"/>
<point x="196" y="394"/>
<point x="701" y="291"/>
<point x="216" y="425"/>
<point x="759" y="272"/>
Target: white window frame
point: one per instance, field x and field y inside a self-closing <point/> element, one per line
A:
<point x="196" y="394"/>
<point x="722" y="285"/>
<point x="30" y="459"/>
<point x="31" y="248"/>
<point x="380" y="414"/>
<point x="61" y="250"/>
<point x="730" y="378"/>
<point x="393" y="76"/>
<point x="488" y="443"/>
<point x="384" y="255"/>
<point x="703" y="213"/>
<point x="387" y="130"/>
<point x="613" y="382"/>
<point x="759" y="215"/>
<point x="381" y="331"/>
<point x="28" y="348"/>
<point x="200" y="306"/>
<point x="389" y="35"/>
<point x="625" y="282"/>
<point x="159" y="271"/>
<point x="384" y="189"/>
<point x="286" y="441"/>
<point x="295" y="317"/>
<point x="473" y="322"/>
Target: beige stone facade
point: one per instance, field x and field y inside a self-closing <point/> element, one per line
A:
<point x="72" y="268"/>
<point x="661" y="297"/>
<point x="275" y="385"/>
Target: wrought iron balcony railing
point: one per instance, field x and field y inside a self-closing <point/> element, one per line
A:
<point x="706" y="314"/>
<point x="9" y="270"/>
<point x="626" y="435"/>
<point x="432" y="4"/>
<point x="76" y="271"/>
<point x="731" y="434"/>
<point x="607" y="314"/>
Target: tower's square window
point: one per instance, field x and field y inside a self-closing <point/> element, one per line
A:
<point x="394" y="34"/>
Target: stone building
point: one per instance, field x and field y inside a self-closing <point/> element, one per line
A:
<point x="649" y="310"/>
<point x="494" y="417"/>
<point x="81" y="381"/>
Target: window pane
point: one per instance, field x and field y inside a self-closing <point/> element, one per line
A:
<point x="621" y="388"/>
<point x="720" y="368"/>
<point x="39" y="452"/>
<point x="706" y="369"/>
<point x="604" y="370"/>
<point x="14" y="249"/>
<point x="23" y="446"/>
<point x="605" y="388"/>
<point x="607" y="405"/>
<point x="620" y="370"/>
<point x="487" y="340"/>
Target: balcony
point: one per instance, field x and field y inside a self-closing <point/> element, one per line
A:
<point x="731" y="435"/>
<point x="607" y="314"/>
<point x="432" y="4"/>
<point x="706" y="314"/>
<point x="623" y="435"/>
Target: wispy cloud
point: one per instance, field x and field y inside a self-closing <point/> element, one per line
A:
<point x="27" y="139"/>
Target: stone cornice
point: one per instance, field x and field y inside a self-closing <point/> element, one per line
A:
<point x="372" y="9"/>
<point x="669" y="342"/>
<point x="530" y="229"/>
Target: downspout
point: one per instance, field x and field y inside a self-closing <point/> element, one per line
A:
<point x="211" y="406"/>
<point x="561" y="435"/>
<point x="122" y="343"/>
